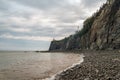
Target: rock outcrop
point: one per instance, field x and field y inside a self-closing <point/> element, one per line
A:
<point x="100" y="31"/>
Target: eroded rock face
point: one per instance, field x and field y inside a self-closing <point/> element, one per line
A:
<point x="101" y="31"/>
<point x="106" y="27"/>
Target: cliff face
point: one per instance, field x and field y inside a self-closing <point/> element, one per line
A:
<point x="100" y="31"/>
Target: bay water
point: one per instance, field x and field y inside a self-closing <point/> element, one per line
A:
<point x="20" y="65"/>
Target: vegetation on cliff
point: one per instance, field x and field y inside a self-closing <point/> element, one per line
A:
<point x="100" y="31"/>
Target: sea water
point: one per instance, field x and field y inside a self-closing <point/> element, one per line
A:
<point x="20" y="65"/>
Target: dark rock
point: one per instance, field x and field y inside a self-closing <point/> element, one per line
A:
<point x="101" y="31"/>
<point x="96" y="66"/>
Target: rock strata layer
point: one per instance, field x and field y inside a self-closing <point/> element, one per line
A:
<point x="101" y="31"/>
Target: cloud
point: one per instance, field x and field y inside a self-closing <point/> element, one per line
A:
<point x="8" y="36"/>
<point x="15" y="44"/>
<point x="92" y="3"/>
<point x="34" y="38"/>
<point x="42" y="4"/>
<point x="43" y="20"/>
<point x="4" y="5"/>
<point x="20" y="29"/>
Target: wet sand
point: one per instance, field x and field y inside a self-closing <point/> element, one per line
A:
<point x="39" y="69"/>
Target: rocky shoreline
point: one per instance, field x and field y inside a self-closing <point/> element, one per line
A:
<point x="97" y="65"/>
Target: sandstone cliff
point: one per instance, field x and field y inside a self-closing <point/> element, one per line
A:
<point x="100" y="31"/>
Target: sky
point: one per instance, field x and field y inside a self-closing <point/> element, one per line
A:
<point x="32" y="24"/>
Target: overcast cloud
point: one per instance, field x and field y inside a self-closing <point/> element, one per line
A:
<point x="35" y="23"/>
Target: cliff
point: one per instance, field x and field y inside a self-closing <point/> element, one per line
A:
<point x="101" y="31"/>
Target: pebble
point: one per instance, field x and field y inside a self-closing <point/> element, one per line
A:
<point x="102" y="66"/>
